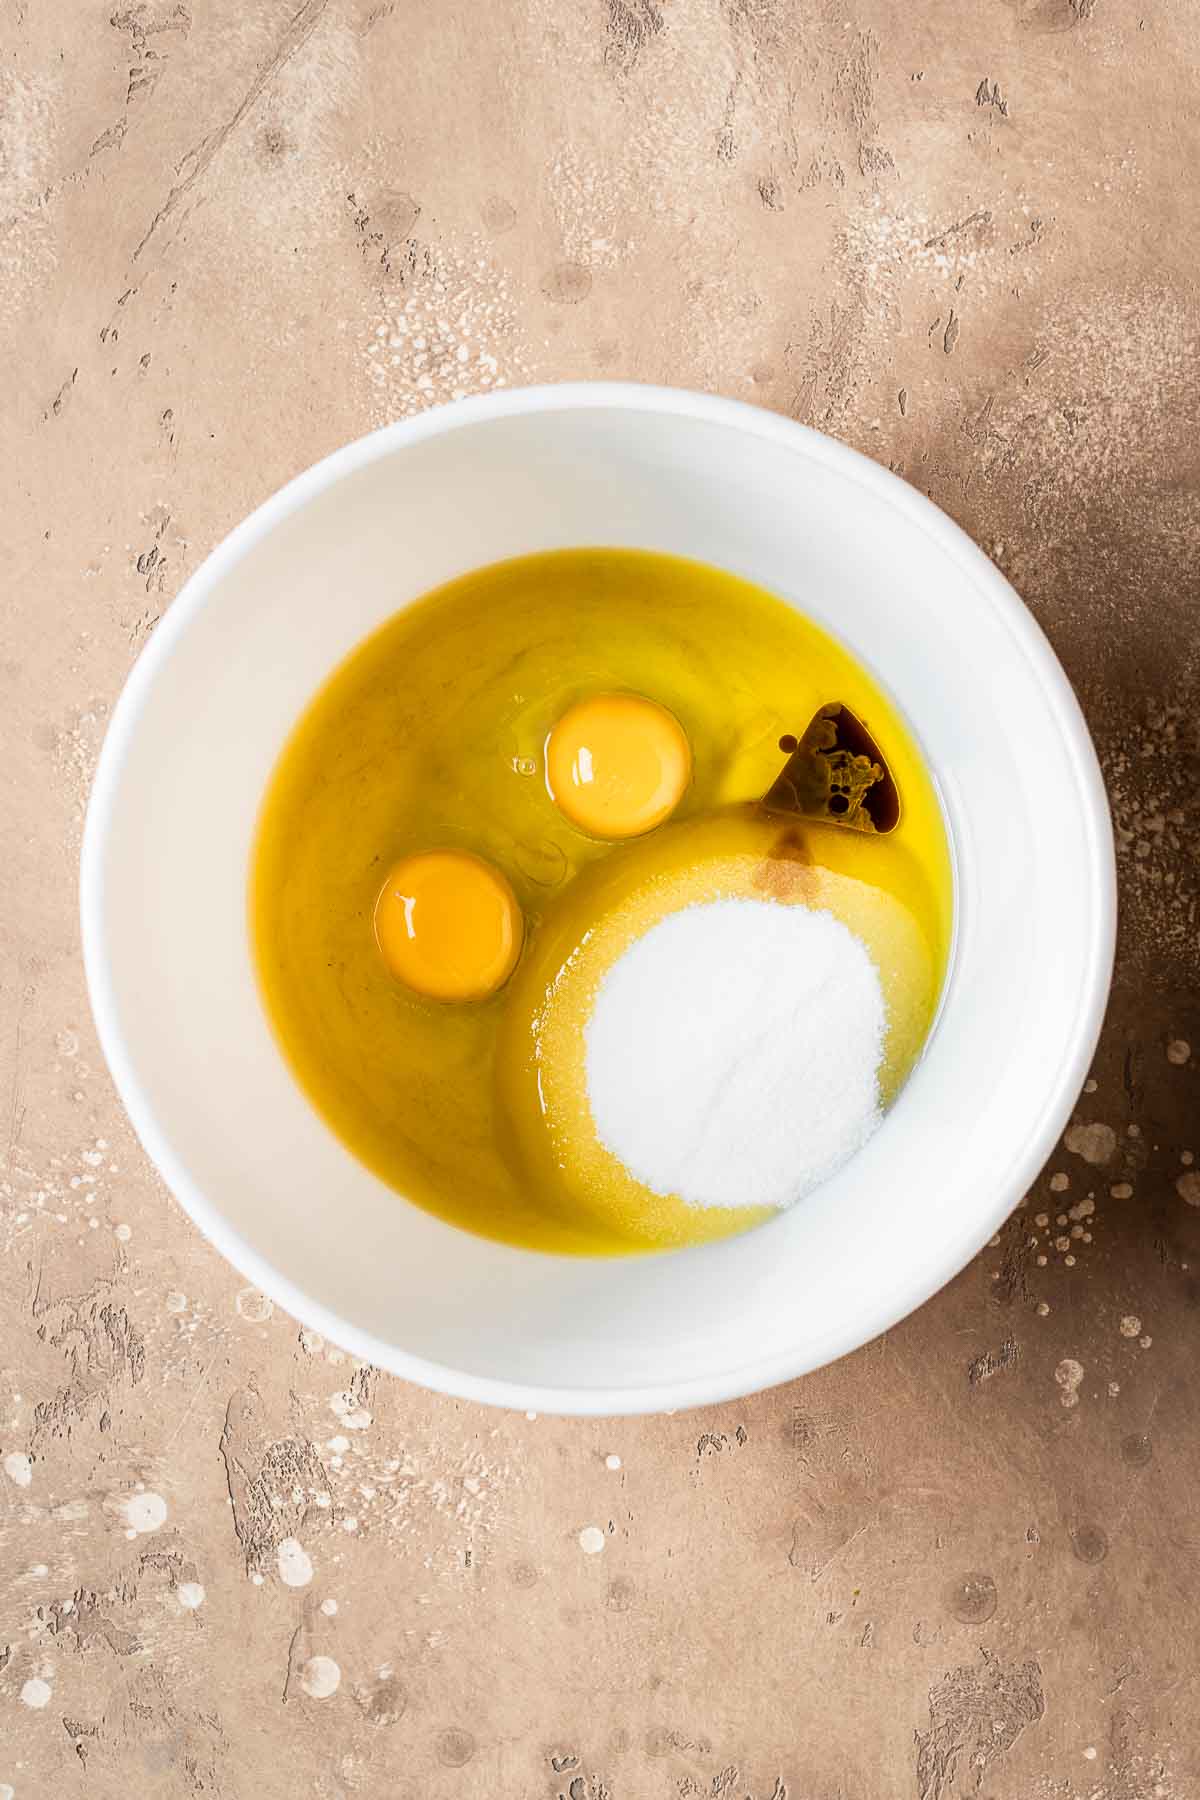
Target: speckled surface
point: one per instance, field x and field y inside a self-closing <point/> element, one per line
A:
<point x="966" y="1560"/>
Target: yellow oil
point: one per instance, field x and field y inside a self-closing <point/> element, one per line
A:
<point x="431" y="733"/>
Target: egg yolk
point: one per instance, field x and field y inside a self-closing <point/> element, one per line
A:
<point x="448" y="925"/>
<point x="617" y="765"/>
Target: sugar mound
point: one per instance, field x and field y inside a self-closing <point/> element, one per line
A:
<point x="733" y="1053"/>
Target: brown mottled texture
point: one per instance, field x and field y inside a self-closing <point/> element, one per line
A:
<point x="963" y="240"/>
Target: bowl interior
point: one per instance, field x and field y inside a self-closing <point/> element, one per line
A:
<point x="242" y="651"/>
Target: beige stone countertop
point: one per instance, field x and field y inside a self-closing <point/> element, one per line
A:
<point x="966" y="1560"/>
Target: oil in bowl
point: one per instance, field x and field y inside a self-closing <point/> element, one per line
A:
<point x="489" y="808"/>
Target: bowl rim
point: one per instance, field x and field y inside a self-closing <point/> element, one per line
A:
<point x="882" y="487"/>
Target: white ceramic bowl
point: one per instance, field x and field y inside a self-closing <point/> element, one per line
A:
<point x="253" y="635"/>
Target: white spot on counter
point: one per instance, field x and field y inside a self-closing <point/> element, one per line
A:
<point x="320" y="1677"/>
<point x="1188" y="1188"/>
<point x="18" y="1468"/>
<point x="591" y="1540"/>
<point x="123" y="1233"/>
<point x="254" y="1306"/>
<point x="1096" y="1143"/>
<point x="191" y="1594"/>
<point x="36" y="1693"/>
<point x="329" y="1608"/>
<point x="176" y="1302"/>
<point x="1178" y="1052"/>
<point x="294" y="1563"/>
<point x="1059" y="1183"/>
<point x="612" y="1462"/>
<point x="1068" y="1375"/>
<point x="6" y="1792"/>
<point x="1130" y="1326"/>
<point x="144" y="1512"/>
<point x="344" y="1407"/>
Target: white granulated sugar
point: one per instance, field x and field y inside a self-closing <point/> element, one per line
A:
<point x="733" y="1053"/>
